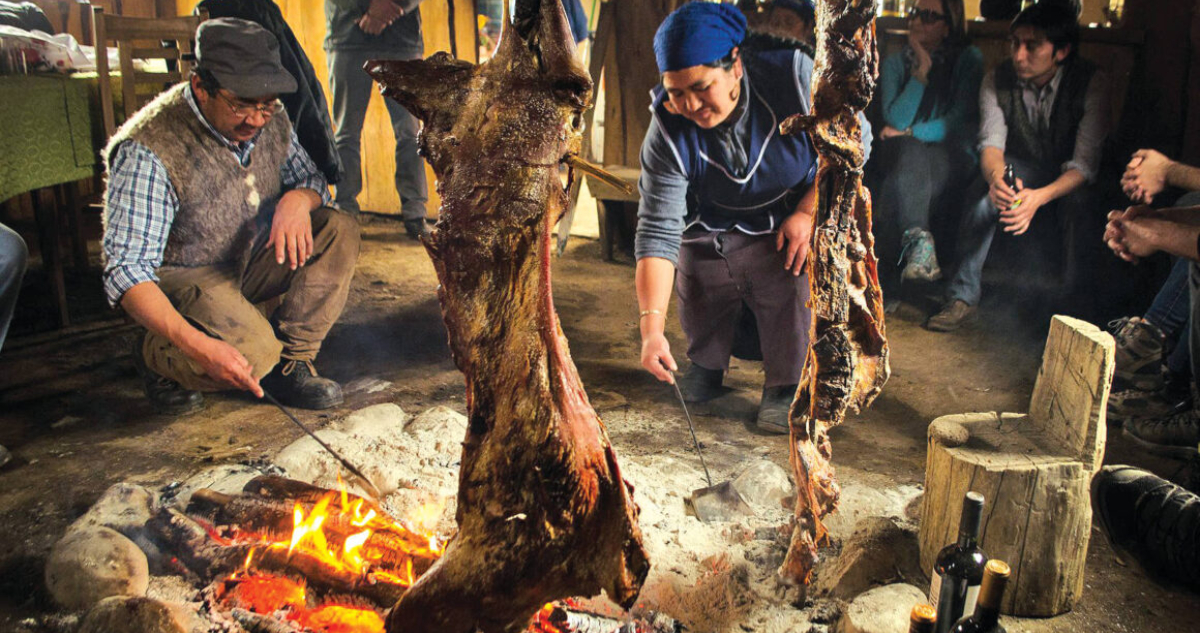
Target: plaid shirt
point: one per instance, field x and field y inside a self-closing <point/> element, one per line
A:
<point x="141" y="205"/>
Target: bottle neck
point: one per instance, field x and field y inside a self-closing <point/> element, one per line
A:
<point x="968" y="539"/>
<point x="986" y="616"/>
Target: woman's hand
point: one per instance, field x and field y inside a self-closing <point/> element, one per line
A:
<point x="796" y="235"/>
<point x="891" y="132"/>
<point x="656" y="356"/>
<point x="922" y="61"/>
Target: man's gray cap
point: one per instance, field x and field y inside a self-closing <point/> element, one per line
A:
<point x="243" y="56"/>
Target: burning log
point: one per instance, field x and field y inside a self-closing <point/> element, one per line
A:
<point x="543" y="511"/>
<point x="848" y="362"/>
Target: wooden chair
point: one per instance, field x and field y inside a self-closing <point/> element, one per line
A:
<point x="141" y="38"/>
<point x="1034" y="471"/>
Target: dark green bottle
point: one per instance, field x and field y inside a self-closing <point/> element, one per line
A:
<point x="986" y="618"/>
<point x="958" y="569"/>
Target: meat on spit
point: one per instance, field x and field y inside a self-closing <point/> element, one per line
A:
<point x="543" y="510"/>
<point x="847" y="364"/>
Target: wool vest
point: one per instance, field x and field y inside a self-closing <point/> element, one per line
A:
<point x="1058" y="145"/>
<point x="780" y="167"/>
<point x="220" y="201"/>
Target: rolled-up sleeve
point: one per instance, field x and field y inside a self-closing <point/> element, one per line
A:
<point x="993" y="132"/>
<point x="300" y="172"/>
<point x="1093" y="128"/>
<point x="140" y="205"/>
<point x="662" y="210"/>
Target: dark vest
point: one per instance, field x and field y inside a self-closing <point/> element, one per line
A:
<point x="220" y="202"/>
<point x="780" y="167"/>
<point x="1024" y="142"/>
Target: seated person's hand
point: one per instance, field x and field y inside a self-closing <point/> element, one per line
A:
<point x="796" y="234"/>
<point x="656" y="357"/>
<point x="223" y="362"/>
<point x="891" y="132"/>
<point x="1130" y="233"/>
<point x="1003" y="196"/>
<point x="1145" y="175"/>
<point x="291" y="229"/>
<point x="1019" y="214"/>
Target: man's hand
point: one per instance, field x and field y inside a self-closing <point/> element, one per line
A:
<point x="923" y="62"/>
<point x="291" y="230"/>
<point x="656" y="357"/>
<point x="796" y="235"/>
<point x="891" y="132"/>
<point x="1003" y="196"/>
<point x="221" y="361"/>
<point x="1127" y="232"/>
<point x="1016" y="217"/>
<point x="379" y="16"/>
<point x="1145" y="176"/>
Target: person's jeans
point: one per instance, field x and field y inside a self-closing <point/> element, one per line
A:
<point x="13" y="257"/>
<point x="221" y="303"/>
<point x="982" y="219"/>
<point x="1172" y="306"/>
<point x="350" y="87"/>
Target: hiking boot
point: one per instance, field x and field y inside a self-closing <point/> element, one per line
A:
<point x="1175" y="435"/>
<point x="699" y="384"/>
<point x="773" y="409"/>
<point x="1149" y="521"/>
<point x="1139" y="354"/>
<point x="952" y="317"/>
<point x="296" y="384"/>
<point x="416" y="229"/>
<point x="919" y="256"/>
<point x="165" y="395"/>
<point x="1135" y="403"/>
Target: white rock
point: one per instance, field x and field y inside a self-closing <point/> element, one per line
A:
<point x="124" y="507"/>
<point x="90" y="564"/>
<point x="764" y="483"/>
<point x="441" y="421"/>
<point x="380" y="420"/>
<point x="123" y="614"/>
<point x="881" y="610"/>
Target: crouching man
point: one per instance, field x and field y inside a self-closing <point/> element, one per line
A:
<point x="213" y="206"/>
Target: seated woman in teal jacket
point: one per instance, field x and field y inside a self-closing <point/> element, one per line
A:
<point x="929" y="93"/>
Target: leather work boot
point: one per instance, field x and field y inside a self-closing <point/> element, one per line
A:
<point x="1175" y="435"/>
<point x="773" y="409"/>
<point x="952" y="317"/>
<point x="1139" y="354"/>
<point x="919" y="256"/>
<point x="698" y="384"/>
<point x="1150" y="522"/>
<point x="416" y="229"/>
<point x="165" y="395"/>
<point x="1134" y="403"/>
<point x="296" y="384"/>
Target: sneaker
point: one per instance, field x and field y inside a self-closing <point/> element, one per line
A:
<point x="699" y="384"/>
<point x="165" y="395"/>
<point x="1139" y="353"/>
<point x="416" y="229"/>
<point x="1135" y="403"/>
<point x="952" y="317"/>
<point x="1175" y="436"/>
<point x="919" y="256"/>
<point x="773" y="409"/>
<point x="296" y="384"/>
<point x="1149" y="521"/>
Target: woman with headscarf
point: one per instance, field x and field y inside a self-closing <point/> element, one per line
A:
<point x="726" y="206"/>
<point x="929" y="93"/>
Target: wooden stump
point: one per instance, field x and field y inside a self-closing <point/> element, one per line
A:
<point x="1034" y="471"/>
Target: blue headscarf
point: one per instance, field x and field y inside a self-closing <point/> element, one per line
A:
<point x="698" y="33"/>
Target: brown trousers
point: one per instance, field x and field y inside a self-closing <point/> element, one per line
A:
<point x="221" y="303"/>
<point x="718" y="273"/>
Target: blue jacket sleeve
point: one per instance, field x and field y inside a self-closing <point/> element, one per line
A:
<point x="964" y="105"/>
<point x="900" y="95"/>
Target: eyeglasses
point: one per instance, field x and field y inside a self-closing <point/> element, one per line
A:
<point x="243" y="111"/>
<point x="928" y="16"/>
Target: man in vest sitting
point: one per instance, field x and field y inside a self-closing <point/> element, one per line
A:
<point x="1045" y="112"/>
<point x="213" y="206"/>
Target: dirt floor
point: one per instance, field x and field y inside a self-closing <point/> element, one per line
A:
<point x="73" y="414"/>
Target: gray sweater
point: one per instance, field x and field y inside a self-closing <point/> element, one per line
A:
<point x="402" y="38"/>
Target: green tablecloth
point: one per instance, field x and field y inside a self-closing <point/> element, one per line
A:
<point x="46" y="132"/>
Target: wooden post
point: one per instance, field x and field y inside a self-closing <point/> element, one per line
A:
<point x="1034" y="471"/>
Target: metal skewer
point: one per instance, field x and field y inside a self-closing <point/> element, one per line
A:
<point x="353" y="470"/>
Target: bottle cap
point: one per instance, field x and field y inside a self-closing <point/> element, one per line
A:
<point x="998" y="567"/>
<point x="972" y="514"/>
<point x="924" y="613"/>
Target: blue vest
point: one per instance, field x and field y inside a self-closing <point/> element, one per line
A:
<point x="781" y="168"/>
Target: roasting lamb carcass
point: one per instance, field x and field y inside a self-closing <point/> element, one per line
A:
<point x="848" y="362"/>
<point x="543" y="511"/>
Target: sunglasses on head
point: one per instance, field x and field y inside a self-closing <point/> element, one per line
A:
<point x="928" y="16"/>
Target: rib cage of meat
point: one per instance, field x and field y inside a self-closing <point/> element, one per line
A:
<point x="847" y="364"/>
<point x="543" y="511"/>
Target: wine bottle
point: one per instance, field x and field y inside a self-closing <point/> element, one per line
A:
<point x="922" y="619"/>
<point x="986" y="618"/>
<point x="958" y="569"/>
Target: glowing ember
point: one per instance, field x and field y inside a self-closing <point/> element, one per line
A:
<point x="342" y="619"/>
<point x="264" y="594"/>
